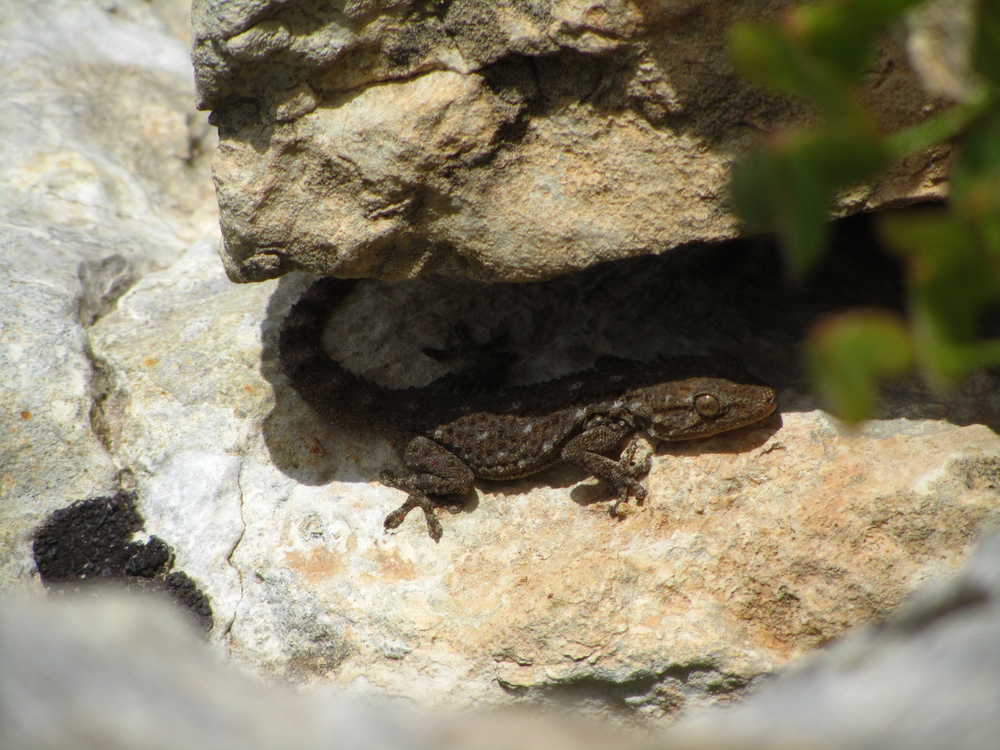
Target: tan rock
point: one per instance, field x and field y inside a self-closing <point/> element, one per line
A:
<point x="754" y="547"/>
<point x="502" y="141"/>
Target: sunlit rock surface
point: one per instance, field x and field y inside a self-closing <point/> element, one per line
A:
<point x="505" y="140"/>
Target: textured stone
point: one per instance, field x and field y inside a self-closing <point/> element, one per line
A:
<point x="503" y="141"/>
<point x="114" y="673"/>
<point x="129" y="360"/>
<point x="753" y="549"/>
<point x="103" y="177"/>
<point x="928" y="678"/>
<point x="939" y="47"/>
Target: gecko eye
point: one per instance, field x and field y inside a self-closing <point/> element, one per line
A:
<point x="707" y="405"/>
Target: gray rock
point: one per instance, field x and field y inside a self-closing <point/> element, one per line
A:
<point x="103" y="178"/>
<point x="112" y="672"/>
<point x="499" y="140"/>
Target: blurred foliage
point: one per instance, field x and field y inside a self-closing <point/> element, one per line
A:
<point x="818" y="53"/>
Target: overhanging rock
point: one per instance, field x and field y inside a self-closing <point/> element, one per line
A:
<point x="503" y="140"/>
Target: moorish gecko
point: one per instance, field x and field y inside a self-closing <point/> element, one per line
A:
<point x="467" y="425"/>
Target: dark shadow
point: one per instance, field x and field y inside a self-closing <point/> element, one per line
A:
<point x="619" y="695"/>
<point x="729" y="298"/>
<point x="301" y="445"/>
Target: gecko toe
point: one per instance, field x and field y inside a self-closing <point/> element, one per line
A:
<point x="433" y="525"/>
<point x="395" y="519"/>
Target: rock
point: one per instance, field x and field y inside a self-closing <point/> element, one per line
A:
<point x="939" y="47"/>
<point x="502" y="141"/>
<point x="112" y="672"/>
<point x="927" y="678"/>
<point x="131" y="365"/>
<point x="103" y="178"/>
<point x="754" y="548"/>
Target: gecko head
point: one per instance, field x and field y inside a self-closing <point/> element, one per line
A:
<point x="702" y="406"/>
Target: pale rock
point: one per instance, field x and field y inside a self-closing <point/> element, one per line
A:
<point x="926" y="679"/>
<point x="753" y="549"/>
<point x="259" y="41"/>
<point x="115" y="673"/>
<point x="939" y="46"/>
<point x="112" y="672"/>
<point x="103" y="178"/>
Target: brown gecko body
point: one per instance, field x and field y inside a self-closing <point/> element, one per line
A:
<point x="467" y="425"/>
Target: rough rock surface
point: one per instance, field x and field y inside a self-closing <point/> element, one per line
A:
<point x="118" y="673"/>
<point x="130" y="363"/>
<point x="754" y="548"/>
<point x="104" y="167"/>
<point x="929" y="678"/>
<point x="507" y="140"/>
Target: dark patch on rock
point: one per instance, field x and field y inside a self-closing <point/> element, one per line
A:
<point x="91" y="541"/>
<point x="186" y="593"/>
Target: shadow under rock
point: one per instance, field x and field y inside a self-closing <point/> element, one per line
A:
<point x="300" y="444"/>
<point x="728" y="298"/>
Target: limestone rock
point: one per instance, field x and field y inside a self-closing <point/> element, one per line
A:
<point x="129" y="361"/>
<point x="103" y="178"/>
<point x="115" y="673"/>
<point x="928" y="678"/>
<point x="753" y="549"/>
<point x="109" y="672"/>
<point x="500" y="140"/>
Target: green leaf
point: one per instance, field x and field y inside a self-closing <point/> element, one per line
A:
<point x="845" y="154"/>
<point x="764" y="53"/>
<point x="779" y="189"/>
<point x="977" y="171"/>
<point x="941" y="127"/>
<point x="804" y="202"/>
<point x="986" y="41"/>
<point x="753" y="190"/>
<point x="842" y="32"/>
<point x="952" y="278"/>
<point x="788" y="186"/>
<point x="849" y="355"/>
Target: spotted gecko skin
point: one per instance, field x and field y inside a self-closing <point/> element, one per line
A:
<point x="467" y="425"/>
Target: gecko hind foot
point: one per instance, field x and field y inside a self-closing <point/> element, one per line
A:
<point x="633" y="488"/>
<point x="395" y="519"/>
<point x="428" y="505"/>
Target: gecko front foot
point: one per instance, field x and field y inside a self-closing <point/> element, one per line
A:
<point x="417" y="499"/>
<point x="633" y="488"/>
<point x="635" y="462"/>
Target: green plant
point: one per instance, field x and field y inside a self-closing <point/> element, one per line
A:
<point x="818" y="52"/>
